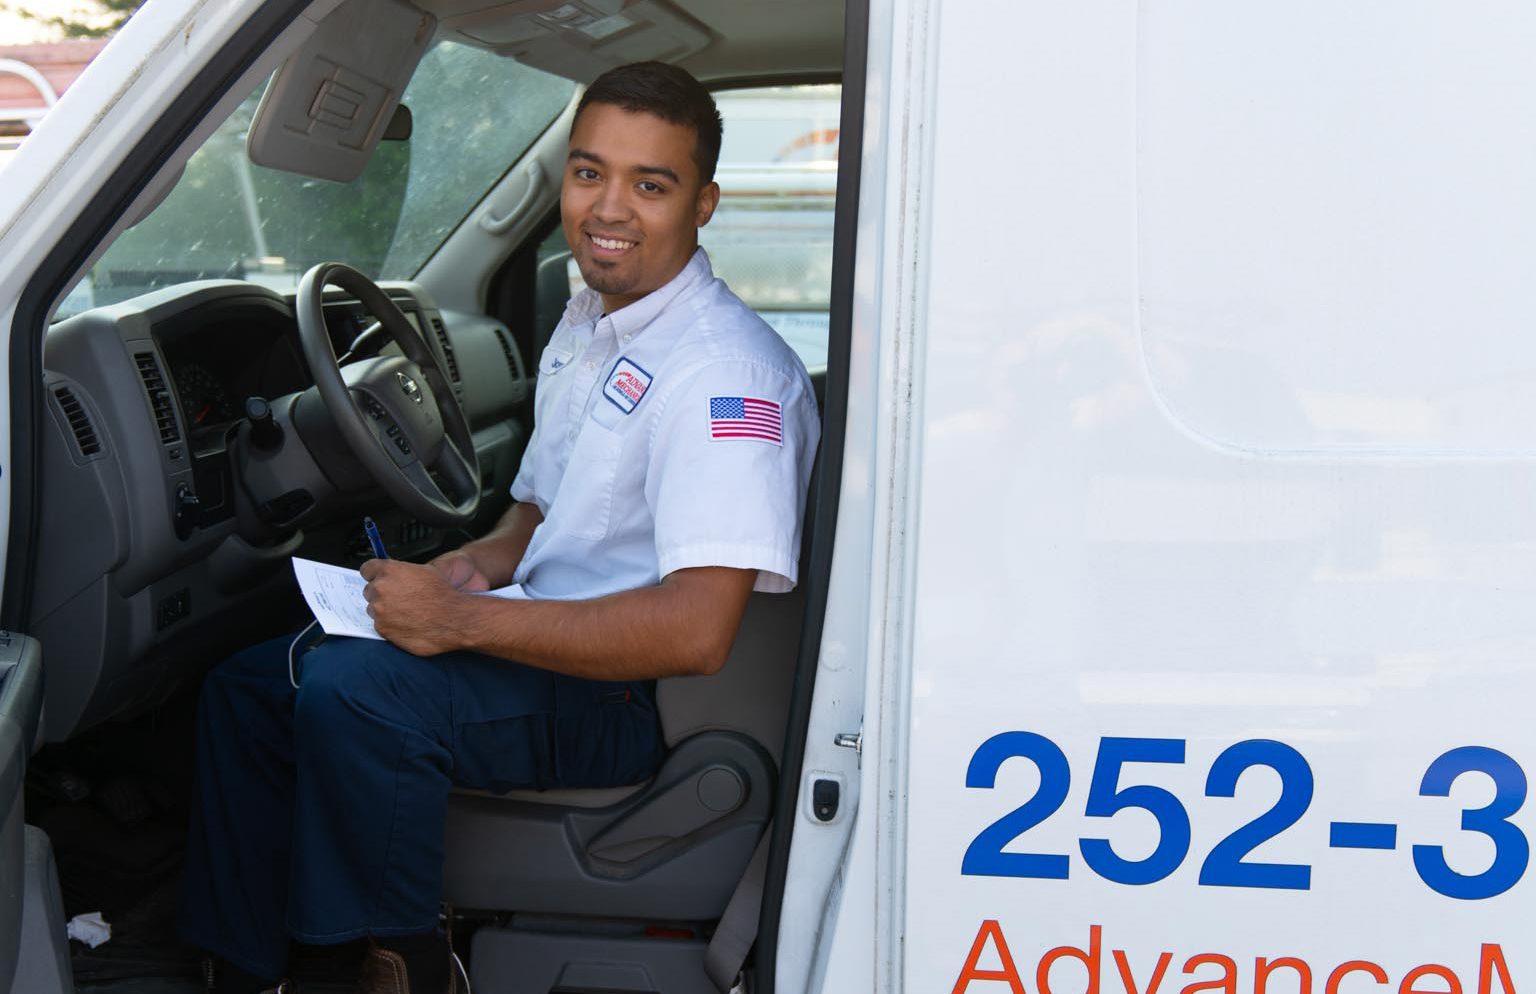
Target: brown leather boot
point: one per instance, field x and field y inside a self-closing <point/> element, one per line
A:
<point x="384" y="972"/>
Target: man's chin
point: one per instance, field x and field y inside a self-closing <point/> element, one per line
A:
<point x="605" y="280"/>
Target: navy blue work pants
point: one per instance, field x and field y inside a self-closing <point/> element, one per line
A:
<point x="319" y="812"/>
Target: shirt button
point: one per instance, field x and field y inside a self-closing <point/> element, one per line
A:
<point x="627" y="338"/>
<point x="591" y="364"/>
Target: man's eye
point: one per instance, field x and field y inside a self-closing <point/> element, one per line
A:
<point x="583" y="172"/>
<point x="649" y="187"/>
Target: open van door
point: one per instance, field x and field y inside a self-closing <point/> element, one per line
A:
<point x="33" y="954"/>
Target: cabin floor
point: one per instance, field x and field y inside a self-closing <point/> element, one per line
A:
<point x="114" y="802"/>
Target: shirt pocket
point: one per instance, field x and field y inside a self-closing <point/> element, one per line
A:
<point x="556" y="356"/>
<point x="587" y="492"/>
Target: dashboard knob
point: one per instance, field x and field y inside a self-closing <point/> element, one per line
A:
<point x="266" y="434"/>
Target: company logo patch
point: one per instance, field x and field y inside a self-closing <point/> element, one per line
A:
<point x="626" y="385"/>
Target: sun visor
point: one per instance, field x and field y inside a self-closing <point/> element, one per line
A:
<point x="329" y="104"/>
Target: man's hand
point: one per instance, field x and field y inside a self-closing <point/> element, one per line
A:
<point x="461" y="571"/>
<point x="415" y="607"/>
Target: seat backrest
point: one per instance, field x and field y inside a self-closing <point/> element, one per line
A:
<point x="751" y="692"/>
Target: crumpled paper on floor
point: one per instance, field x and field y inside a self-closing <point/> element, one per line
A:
<point x="89" y="928"/>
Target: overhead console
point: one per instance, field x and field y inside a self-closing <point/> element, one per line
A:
<point x="578" y="39"/>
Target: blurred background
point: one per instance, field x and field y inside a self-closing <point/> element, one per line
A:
<point x="44" y="46"/>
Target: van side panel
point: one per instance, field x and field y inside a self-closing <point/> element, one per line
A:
<point x="1225" y="564"/>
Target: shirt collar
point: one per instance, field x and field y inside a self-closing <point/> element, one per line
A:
<point x="587" y="305"/>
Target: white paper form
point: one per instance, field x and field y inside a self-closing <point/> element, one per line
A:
<point x="335" y="597"/>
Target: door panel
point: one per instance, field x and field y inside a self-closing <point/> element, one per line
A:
<point x="21" y="703"/>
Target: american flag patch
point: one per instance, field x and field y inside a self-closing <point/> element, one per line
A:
<point x="746" y="417"/>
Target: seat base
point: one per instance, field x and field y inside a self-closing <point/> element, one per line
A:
<point x="671" y="851"/>
<point x="527" y="961"/>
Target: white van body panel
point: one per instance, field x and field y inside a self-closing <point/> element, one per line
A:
<point x="1224" y="440"/>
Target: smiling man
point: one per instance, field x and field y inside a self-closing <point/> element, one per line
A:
<point x="664" y="482"/>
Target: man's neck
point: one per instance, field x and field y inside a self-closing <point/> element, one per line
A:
<point x="615" y="303"/>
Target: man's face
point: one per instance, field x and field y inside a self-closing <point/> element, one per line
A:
<point x="632" y="201"/>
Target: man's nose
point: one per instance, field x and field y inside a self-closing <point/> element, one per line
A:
<point x="613" y="204"/>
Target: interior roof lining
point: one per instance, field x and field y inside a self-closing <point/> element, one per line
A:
<point x="758" y="38"/>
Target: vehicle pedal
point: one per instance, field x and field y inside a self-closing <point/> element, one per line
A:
<point x="126" y="802"/>
<point x="61" y="784"/>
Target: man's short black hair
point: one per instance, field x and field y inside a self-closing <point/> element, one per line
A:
<point x="669" y="93"/>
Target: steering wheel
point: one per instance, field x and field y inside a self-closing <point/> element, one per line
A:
<point x="398" y="414"/>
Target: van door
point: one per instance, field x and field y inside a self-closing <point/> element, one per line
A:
<point x="1222" y="575"/>
<point x="21" y="705"/>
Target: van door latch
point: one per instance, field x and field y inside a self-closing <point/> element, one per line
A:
<point x="850" y="740"/>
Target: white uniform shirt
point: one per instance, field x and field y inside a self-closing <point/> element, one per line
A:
<point x="677" y="432"/>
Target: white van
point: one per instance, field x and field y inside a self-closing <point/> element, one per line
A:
<point x="1168" y="611"/>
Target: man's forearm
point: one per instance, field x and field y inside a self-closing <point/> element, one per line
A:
<point x="684" y="626"/>
<point x="498" y="552"/>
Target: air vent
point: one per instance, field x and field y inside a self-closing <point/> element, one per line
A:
<point x="442" y="339"/>
<point x="502" y="336"/>
<point x="159" y="397"/>
<point x="79" y="421"/>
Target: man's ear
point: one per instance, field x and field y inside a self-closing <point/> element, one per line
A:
<point x="709" y="199"/>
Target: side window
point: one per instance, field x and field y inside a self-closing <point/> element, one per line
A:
<point x="771" y="239"/>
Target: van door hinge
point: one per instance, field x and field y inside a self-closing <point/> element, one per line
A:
<point x="850" y="740"/>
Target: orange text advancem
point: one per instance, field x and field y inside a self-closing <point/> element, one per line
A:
<point x="1214" y="972"/>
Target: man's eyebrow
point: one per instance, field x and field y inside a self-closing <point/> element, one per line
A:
<point x="662" y="171"/>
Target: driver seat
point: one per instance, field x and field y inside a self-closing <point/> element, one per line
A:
<point x="669" y="851"/>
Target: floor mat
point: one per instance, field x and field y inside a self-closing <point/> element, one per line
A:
<point x="158" y="985"/>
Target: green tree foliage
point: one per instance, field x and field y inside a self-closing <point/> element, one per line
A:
<point x="96" y="19"/>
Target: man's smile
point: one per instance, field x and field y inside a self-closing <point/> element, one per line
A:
<point x="609" y="248"/>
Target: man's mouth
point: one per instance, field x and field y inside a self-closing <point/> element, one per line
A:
<point x="609" y="247"/>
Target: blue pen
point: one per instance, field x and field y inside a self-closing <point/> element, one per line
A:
<point x="374" y="539"/>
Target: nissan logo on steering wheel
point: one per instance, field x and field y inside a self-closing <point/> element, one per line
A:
<point x="408" y="387"/>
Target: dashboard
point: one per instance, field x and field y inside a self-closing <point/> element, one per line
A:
<point x="162" y="537"/>
<point x="223" y="353"/>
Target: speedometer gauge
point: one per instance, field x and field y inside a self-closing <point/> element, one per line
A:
<point x="203" y="398"/>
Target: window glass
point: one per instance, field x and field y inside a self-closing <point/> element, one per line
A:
<point x="771" y="238"/>
<point x="474" y="113"/>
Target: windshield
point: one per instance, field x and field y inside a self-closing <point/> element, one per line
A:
<point x="475" y="114"/>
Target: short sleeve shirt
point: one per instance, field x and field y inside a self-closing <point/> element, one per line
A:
<point x="677" y="432"/>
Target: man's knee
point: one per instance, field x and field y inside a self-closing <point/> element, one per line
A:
<point x="254" y="676"/>
<point x="357" y="680"/>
